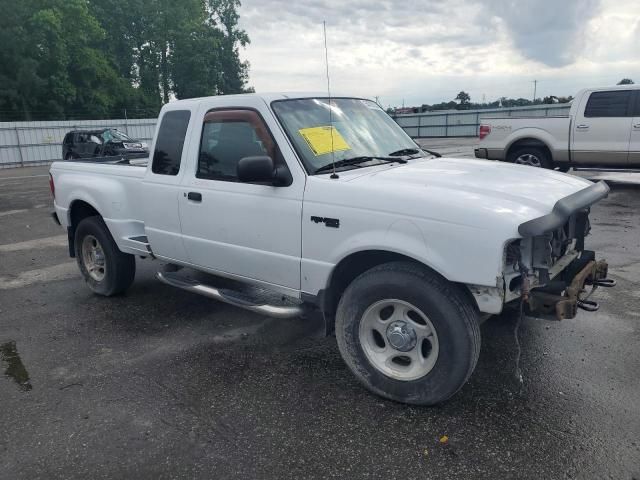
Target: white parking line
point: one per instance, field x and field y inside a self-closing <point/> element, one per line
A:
<point x="48" y="274"/>
<point x="12" y="212"/>
<point x="57" y="241"/>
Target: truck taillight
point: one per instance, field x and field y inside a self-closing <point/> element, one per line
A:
<point x="484" y="131"/>
<point x="52" y="186"/>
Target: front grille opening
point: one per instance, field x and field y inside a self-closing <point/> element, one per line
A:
<point x="515" y="283"/>
<point x="512" y="253"/>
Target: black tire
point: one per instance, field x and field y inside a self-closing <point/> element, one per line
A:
<point x="563" y="167"/>
<point x="542" y="158"/>
<point x="119" y="268"/>
<point x="68" y="157"/>
<point x="452" y="313"/>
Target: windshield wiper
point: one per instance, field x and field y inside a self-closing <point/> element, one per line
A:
<point x="431" y="152"/>
<point x="412" y="151"/>
<point x="356" y="160"/>
<point x="404" y="151"/>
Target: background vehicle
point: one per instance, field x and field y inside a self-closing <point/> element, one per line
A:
<point x="106" y="142"/>
<point x="602" y="130"/>
<point x="311" y="204"/>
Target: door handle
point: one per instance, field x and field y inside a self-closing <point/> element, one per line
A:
<point x="582" y="126"/>
<point x="637" y="125"/>
<point x="194" y="196"/>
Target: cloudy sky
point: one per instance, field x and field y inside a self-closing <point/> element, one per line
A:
<point x="426" y="51"/>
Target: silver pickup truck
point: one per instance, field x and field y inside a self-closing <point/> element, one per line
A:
<point x="602" y="130"/>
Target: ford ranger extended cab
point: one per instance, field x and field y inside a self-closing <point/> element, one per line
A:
<point x="601" y="131"/>
<point x="309" y="204"/>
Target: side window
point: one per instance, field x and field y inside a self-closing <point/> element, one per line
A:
<point x="228" y="136"/>
<point x="170" y="141"/>
<point x="608" y="104"/>
<point x="636" y="110"/>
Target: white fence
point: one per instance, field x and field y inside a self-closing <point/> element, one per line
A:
<point x="464" y="123"/>
<point x="39" y="143"/>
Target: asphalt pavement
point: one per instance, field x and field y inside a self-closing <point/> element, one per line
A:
<point x="160" y="383"/>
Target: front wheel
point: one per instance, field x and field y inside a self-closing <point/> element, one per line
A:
<point x="408" y="334"/>
<point x="104" y="267"/>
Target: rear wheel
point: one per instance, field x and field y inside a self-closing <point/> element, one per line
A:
<point x="531" y="156"/>
<point x="407" y="333"/>
<point x="104" y="267"/>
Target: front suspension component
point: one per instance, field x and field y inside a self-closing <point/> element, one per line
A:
<point x="575" y="296"/>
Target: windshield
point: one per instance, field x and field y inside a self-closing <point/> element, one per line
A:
<point x="360" y="129"/>
<point x="115" y="135"/>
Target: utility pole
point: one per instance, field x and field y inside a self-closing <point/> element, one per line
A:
<point x="535" y="86"/>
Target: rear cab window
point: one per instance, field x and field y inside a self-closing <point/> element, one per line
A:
<point x="611" y="104"/>
<point x="167" y="154"/>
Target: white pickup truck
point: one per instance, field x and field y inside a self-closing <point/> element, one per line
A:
<point x="602" y="130"/>
<point x="326" y="205"/>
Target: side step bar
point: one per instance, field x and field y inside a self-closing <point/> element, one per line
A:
<point x="277" y="311"/>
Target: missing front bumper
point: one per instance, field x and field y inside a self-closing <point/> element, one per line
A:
<point x="565" y="304"/>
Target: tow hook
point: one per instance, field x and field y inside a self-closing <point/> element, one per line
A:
<point x="588" y="305"/>
<point x="575" y="295"/>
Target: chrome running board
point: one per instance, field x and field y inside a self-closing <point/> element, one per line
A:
<point x="237" y="299"/>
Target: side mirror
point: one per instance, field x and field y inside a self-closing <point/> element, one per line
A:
<point x="262" y="169"/>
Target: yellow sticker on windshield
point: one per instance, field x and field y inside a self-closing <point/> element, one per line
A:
<point x="320" y="141"/>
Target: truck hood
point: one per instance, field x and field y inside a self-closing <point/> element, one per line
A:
<point x="465" y="191"/>
<point x="498" y="180"/>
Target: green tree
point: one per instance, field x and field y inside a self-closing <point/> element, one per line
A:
<point x="53" y="66"/>
<point x="179" y="49"/>
<point x="464" y="98"/>
<point x="626" y="81"/>
<point x="234" y="73"/>
<point x="94" y="58"/>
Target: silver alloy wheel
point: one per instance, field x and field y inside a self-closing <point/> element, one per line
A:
<point x="528" y="159"/>
<point x="93" y="258"/>
<point x="398" y="339"/>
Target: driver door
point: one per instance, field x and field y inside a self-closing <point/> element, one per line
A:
<point x="240" y="229"/>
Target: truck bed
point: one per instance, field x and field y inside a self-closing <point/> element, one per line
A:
<point x="116" y="191"/>
<point x="505" y="131"/>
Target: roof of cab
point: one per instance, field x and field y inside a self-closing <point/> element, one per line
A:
<point x="267" y="97"/>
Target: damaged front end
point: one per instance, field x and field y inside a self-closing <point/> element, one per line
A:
<point x="548" y="268"/>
